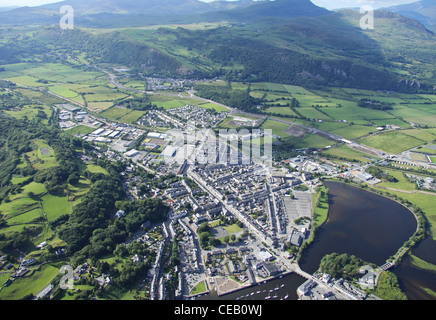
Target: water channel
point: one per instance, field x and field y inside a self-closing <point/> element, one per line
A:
<point x="362" y="223"/>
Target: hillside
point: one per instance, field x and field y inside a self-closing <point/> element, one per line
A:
<point x="423" y="11"/>
<point x="284" y="41"/>
<point x="116" y="13"/>
<point x="407" y="44"/>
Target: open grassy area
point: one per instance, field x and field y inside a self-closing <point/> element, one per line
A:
<point x="95" y="169"/>
<point x="80" y="130"/>
<point x="392" y="142"/>
<point x="63" y="91"/>
<point x="30" y="112"/>
<point x="421" y="264"/>
<point x="423" y="200"/>
<point x="170" y="102"/>
<point x="402" y="182"/>
<point x="199" y="288"/>
<point x="30" y="284"/>
<point x="42" y="156"/>
<point x="278" y="128"/>
<point x="122" y="114"/>
<point x="344" y="152"/>
<point x="321" y="201"/>
<point x="354" y="132"/>
<point x="55" y="205"/>
<point x="51" y="72"/>
<point x="310" y="141"/>
<point x="213" y="106"/>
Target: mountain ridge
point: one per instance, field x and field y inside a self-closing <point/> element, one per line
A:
<point x="423" y="11"/>
<point x="98" y="13"/>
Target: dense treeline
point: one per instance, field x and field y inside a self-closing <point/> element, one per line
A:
<point x="380" y="174"/>
<point x="91" y="213"/>
<point x="16" y="139"/>
<point x="341" y="265"/>
<point x="239" y="99"/>
<point x="141" y="103"/>
<point x="250" y="59"/>
<point x="374" y="104"/>
<point x="222" y="52"/>
<point x="100" y="234"/>
<point x="112" y="49"/>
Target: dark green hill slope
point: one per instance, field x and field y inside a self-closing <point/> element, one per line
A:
<point x="320" y="50"/>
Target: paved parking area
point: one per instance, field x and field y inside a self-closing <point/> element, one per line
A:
<point x="299" y="207"/>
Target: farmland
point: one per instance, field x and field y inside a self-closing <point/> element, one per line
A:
<point x="122" y="114"/>
<point x="392" y="142"/>
<point x="79" y="84"/>
<point x="334" y="104"/>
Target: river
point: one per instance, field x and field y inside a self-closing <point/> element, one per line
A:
<point x="362" y="223"/>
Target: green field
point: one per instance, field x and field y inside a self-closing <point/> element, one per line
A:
<point x="50" y="72"/>
<point x="101" y="93"/>
<point x="213" y="106"/>
<point x="346" y="153"/>
<point x="55" y="206"/>
<point x="341" y="104"/>
<point x="402" y="183"/>
<point x="80" y="130"/>
<point x="30" y="112"/>
<point x="170" y="102"/>
<point x="278" y="128"/>
<point x="122" y="114"/>
<point x="42" y="156"/>
<point x="96" y="169"/>
<point x="354" y="132"/>
<point x="32" y="283"/>
<point x="63" y="91"/>
<point x="392" y="142"/>
<point x="424" y="201"/>
<point x="309" y="141"/>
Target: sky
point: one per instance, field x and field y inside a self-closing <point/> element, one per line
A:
<point x="328" y="4"/>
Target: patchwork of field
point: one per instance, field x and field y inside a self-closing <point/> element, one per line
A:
<point x="86" y="87"/>
<point x="335" y="104"/>
<point x="45" y="74"/>
<point x="32" y="206"/>
<point x="336" y="110"/>
<point x="333" y="109"/>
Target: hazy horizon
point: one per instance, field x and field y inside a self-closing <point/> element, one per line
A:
<point x="328" y="4"/>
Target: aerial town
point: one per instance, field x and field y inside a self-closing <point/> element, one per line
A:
<point x="233" y="221"/>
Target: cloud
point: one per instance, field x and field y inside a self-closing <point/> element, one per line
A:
<point x="337" y="4"/>
<point x="22" y="3"/>
<point x="329" y="4"/>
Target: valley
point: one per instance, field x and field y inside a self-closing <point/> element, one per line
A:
<point x="113" y="135"/>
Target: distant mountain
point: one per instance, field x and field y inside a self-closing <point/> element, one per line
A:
<point x="127" y="7"/>
<point x="7" y="8"/>
<point x="284" y="41"/>
<point x="424" y="11"/>
<point x="129" y="13"/>
<point x="281" y="9"/>
<point x="326" y="50"/>
<point x="98" y="13"/>
<point x="274" y="12"/>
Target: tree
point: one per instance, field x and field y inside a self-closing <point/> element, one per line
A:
<point x="226" y="239"/>
<point x="73" y="178"/>
<point x="121" y="251"/>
